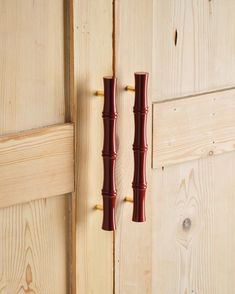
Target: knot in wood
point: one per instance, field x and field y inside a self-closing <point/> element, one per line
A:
<point x="187" y="224"/>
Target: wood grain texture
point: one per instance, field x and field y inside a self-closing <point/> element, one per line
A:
<point x="194" y="127"/>
<point x="193" y="202"/>
<point x="133" y="241"/>
<point x="32" y="64"/>
<point x="193" y="247"/>
<point x="201" y="58"/>
<point x="93" y="61"/>
<point x="32" y="246"/>
<point x="33" y="236"/>
<point x="36" y="164"/>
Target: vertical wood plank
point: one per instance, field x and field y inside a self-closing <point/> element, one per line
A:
<point x="201" y="58"/>
<point x="193" y="248"/>
<point x="93" y="60"/>
<point x="133" y="240"/>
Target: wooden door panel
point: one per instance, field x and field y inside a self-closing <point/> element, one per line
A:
<point x="194" y="256"/>
<point x="32" y="64"/>
<point x="193" y="45"/>
<point x="188" y="48"/>
<point x="33" y="247"/>
<point x="192" y="200"/>
<point x="35" y="236"/>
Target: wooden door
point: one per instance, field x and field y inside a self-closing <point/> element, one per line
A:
<point x="187" y="243"/>
<point x="36" y="147"/>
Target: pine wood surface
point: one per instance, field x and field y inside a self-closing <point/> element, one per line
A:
<point x="33" y="236"/>
<point x="93" y="60"/>
<point x="195" y="256"/>
<point x="133" y="51"/>
<point x="193" y="47"/>
<point x="193" y="127"/>
<point x="36" y="164"/>
<point x="189" y="249"/>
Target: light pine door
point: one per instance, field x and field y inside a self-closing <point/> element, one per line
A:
<point x="36" y="147"/>
<point x="187" y="244"/>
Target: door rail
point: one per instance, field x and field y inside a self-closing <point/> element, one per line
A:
<point x="192" y="128"/>
<point x="36" y="164"/>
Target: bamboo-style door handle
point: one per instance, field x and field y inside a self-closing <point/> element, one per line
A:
<point x="140" y="146"/>
<point x="109" y="154"/>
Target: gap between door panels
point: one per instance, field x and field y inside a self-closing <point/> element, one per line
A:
<point x="71" y="117"/>
<point x="114" y="74"/>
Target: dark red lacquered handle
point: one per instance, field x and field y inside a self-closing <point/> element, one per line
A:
<point x="140" y="146"/>
<point x="109" y="154"/>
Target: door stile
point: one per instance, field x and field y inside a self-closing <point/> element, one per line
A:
<point x="93" y="59"/>
<point x="133" y="53"/>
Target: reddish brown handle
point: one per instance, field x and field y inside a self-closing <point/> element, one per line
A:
<point x="109" y="154"/>
<point x="140" y="146"/>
